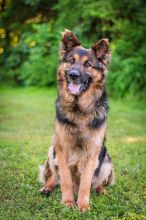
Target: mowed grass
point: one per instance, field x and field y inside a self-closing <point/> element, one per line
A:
<point x="27" y="123"/>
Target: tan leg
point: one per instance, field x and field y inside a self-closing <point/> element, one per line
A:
<point x="85" y="185"/>
<point x="65" y="179"/>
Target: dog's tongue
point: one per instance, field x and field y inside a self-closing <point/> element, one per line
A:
<point x="74" y="88"/>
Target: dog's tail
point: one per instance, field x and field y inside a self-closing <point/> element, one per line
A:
<point x="41" y="174"/>
<point x="111" y="180"/>
<point x="45" y="172"/>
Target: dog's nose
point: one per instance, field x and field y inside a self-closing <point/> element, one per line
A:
<point x="74" y="74"/>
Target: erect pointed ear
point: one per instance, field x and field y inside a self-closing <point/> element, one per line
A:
<point x="102" y="51"/>
<point x="69" y="40"/>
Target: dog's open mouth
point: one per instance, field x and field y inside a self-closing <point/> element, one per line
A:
<point x="77" y="88"/>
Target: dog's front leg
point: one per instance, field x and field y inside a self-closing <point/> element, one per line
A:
<point x="65" y="179"/>
<point x="85" y="185"/>
<point x="88" y="171"/>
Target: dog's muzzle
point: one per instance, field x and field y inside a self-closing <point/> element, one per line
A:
<point x="77" y="83"/>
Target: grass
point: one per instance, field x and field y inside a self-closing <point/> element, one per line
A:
<point x="26" y="125"/>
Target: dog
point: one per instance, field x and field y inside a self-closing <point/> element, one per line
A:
<point x="78" y="159"/>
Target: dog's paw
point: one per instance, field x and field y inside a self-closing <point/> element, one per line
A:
<point x="69" y="203"/>
<point x="45" y="191"/>
<point x="101" y="190"/>
<point x="83" y="206"/>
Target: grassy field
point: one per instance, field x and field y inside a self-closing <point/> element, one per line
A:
<point x="26" y="126"/>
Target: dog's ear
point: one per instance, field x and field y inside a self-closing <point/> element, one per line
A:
<point x="102" y="51"/>
<point x="69" y="40"/>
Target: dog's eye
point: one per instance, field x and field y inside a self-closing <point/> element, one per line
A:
<point x="72" y="60"/>
<point x="87" y="64"/>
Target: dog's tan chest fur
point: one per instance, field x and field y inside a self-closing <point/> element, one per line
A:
<point x="79" y="142"/>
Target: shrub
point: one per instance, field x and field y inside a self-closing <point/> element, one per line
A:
<point x="33" y="61"/>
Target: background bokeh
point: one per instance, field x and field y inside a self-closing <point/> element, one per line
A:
<point x="30" y="35"/>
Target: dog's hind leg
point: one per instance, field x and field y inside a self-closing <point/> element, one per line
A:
<point x="104" y="174"/>
<point x="49" y="173"/>
<point x="104" y="180"/>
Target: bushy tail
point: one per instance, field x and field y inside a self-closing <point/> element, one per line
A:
<point x="41" y="174"/>
<point x="45" y="172"/>
<point x="111" y="180"/>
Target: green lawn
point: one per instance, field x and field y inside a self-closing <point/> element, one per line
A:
<point x="26" y="125"/>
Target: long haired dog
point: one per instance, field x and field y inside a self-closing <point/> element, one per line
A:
<point x="78" y="159"/>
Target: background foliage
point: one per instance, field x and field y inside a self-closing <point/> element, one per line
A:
<point x="29" y="39"/>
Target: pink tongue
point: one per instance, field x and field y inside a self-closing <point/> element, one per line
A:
<point x="74" y="88"/>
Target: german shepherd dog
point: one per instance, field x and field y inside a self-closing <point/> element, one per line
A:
<point x="78" y="159"/>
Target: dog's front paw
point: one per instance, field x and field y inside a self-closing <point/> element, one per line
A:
<point x="68" y="199"/>
<point x="45" y="191"/>
<point x="69" y="203"/>
<point x="83" y="205"/>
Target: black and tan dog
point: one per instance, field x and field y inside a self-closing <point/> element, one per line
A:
<point x="78" y="159"/>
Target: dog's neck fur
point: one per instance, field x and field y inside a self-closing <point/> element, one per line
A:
<point x="68" y="111"/>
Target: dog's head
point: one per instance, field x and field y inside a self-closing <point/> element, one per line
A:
<point x="82" y="68"/>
